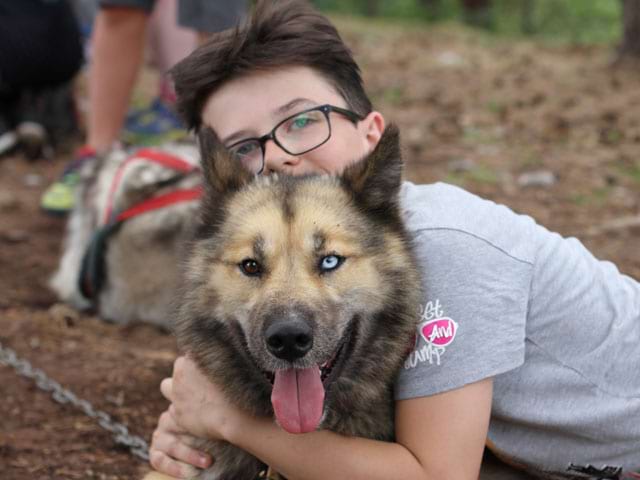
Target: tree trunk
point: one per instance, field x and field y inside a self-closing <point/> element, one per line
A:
<point x="478" y="13"/>
<point x="476" y="4"/>
<point x="433" y="8"/>
<point x="371" y="8"/>
<point x="631" y="29"/>
<point x="527" y="23"/>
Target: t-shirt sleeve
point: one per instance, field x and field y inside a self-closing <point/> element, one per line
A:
<point x="472" y="320"/>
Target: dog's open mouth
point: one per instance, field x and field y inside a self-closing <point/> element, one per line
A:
<point x="298" y="394"/>
<point x="326" y="369"/>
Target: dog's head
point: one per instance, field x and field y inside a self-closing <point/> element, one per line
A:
<point x="294" y="265"/>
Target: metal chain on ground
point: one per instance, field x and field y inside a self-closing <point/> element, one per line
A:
<point x="137" y="445"/>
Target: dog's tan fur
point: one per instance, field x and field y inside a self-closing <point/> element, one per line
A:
<point x="369" y="304"/>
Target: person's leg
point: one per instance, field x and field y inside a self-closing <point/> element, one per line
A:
<point x="158" y="122"/>
<point x="169" y="42"/>
<point x="118" y="46"/>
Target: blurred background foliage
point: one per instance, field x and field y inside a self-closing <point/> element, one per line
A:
<point x="562" y="21"/>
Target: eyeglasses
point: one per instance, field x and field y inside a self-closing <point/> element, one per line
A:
<point x="297" y="134"/>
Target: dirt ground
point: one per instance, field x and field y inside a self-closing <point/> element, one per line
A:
<point x="474" y="111"/>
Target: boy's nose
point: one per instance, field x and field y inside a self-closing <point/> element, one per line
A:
<point x="276" y="159"/>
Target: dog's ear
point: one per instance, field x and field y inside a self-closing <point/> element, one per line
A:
<point x="222" y="174"/>
<point x="376" y="179"/>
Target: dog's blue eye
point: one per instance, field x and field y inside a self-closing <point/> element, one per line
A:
<point x="250" y="267"/>
<point x="330" y="262"/>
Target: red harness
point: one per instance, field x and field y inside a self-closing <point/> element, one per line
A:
<point x="93" y="268"/>
<point x="161" y="158"/>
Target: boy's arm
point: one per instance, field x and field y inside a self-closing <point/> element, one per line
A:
<point x="438" y="437"/>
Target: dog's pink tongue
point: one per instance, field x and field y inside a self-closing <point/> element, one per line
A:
<point x="298" y="398"/>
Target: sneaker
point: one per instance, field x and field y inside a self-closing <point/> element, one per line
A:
<point x="156" y="124"/>
<point x="59" y="198"/>
<point x="8" y="137"/>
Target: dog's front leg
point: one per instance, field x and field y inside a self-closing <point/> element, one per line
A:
<point x="229" y="463"/>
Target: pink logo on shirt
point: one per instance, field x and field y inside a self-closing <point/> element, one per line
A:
<point x="439" y="332"/>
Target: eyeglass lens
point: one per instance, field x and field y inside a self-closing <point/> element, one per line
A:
<point x="296" y="135"/>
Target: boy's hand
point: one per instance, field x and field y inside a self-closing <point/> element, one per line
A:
<point x="170" y="452"/>
<point x="198" y="409"/>
<point x="198" y="406"/>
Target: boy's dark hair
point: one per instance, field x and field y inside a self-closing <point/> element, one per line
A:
<point x="279" y="33"/>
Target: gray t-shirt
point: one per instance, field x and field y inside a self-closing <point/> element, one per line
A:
<point x="558" y="330"/>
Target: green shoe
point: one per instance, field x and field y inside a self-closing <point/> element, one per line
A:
<point x="59" y="198"/>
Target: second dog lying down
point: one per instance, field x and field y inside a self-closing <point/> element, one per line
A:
<point x="130" y="269"/>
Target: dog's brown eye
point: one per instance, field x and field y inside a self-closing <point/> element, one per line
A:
<point x="250" y="267"/>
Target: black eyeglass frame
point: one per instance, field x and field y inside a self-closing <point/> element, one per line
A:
<point x="325" y="109"/>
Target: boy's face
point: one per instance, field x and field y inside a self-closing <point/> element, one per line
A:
<point x="252" y="105"/>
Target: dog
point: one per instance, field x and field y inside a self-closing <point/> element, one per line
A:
<point x="301" y="290"/>
<point x="128" y="270"/>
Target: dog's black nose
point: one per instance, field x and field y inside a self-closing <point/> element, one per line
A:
<point x="289" y="340"/>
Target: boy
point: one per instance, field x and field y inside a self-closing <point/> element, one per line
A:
<point x="524" y="363"/>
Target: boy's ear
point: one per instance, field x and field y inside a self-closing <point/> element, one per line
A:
<point x="376" y="179"/>
<point x="222" y="174"/>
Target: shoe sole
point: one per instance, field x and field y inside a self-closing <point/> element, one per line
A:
<point x="55" y="213"/>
